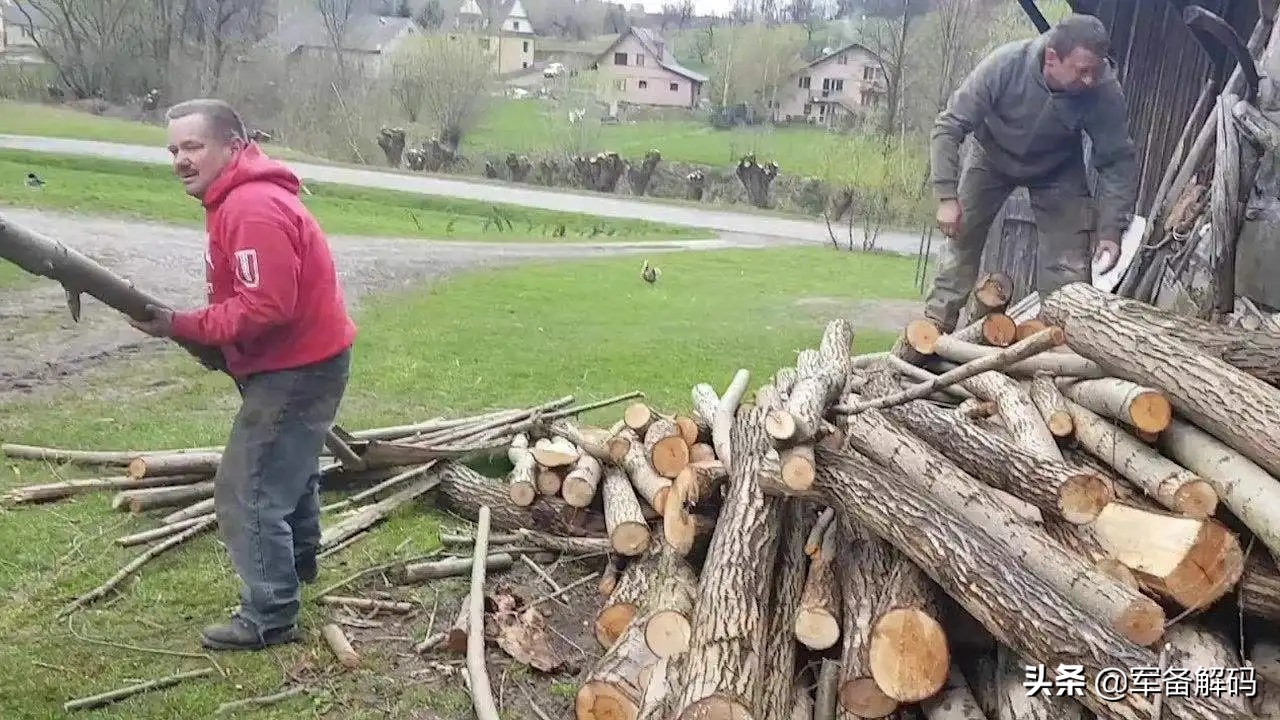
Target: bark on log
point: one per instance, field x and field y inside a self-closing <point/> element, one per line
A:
<point x="580" y="485"/>
<point x="1019" y="415"/>
<point x="993" y="290"/>
<point x="820" y="377"/>
<point x="67" y="488"/>
<point x="174" y="464"/>
<point x="668" y="604"/>
<point x="1163" y="480"/>
<point x="780" y="647"/>
<point x="1055" y="363"/>
<point x="628" y="530"/>
<point x="1249" y="491"/>
<point x="523" y="476"/>
<point x="989" y="584"/>
<point x="1051" y="404"/>
<point x="1135" y="616"/>
<point x="1239" y="409"/>
<point x="625" y="600"/>
<point x="451" y="567"/>
<point x="1196" y="650"/>
<point x="1141" y="407"/>
<point x="723" y="670"/>
<point x="954" y="701"/>
<point x="666" y="448"/>
<point x="648" y="484"/>
<point x="616" y="686"/>
<point x="591" y="440"/>
<point x="1057" y="488"/>
<point x="817" y="620"/>
<point x="141" y="500"/>
<point x="555" y="452"/>
<point x="464" y="490"/>
<point x="726" y="412"/>
<point x="1002" y="692"/>
<point x="1260" y="588"/>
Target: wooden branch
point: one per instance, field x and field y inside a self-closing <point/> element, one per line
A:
<point x="141" y="500"/>
<point x="726" y="411"/>
<point x="370" y="515"/>
<point x="1140" y="407"/>
<point x="182" y="463"/>
<point x="580" y="485"/>
<point x="523" y="474"/>
<point x="102" y="699"/>
<point x="337" y="641"/>
<point x="817" y="618"/>
<point x="67" y="488"/>
<point x="820" y="377"/>
<point x="451" y="567"/>
<point x="165" y="530"/>
<point x="645" y="480"/>
<point x="1056" y="363"/>
<point x="197" y="509"/>
<point x="591" y="440"/>
<point x="368" y="603"/>
<point x="777" y="693"/>
<point x="1018" y="351"/>
<point x="1051" y="404"/>
<point x="481" y="694"/>
<point x="628" y="530"/>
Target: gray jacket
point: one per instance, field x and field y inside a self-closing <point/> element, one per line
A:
<point x="1029" y="132"/>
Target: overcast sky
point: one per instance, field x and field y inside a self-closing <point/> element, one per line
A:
<point x="704" y="7"/>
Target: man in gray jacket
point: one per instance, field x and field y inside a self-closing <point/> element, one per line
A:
<point x="1027" y="105"/>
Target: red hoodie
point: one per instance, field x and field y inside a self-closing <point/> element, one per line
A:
<point x="274" y="298"/>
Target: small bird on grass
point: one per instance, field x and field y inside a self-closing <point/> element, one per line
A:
<point x="34" y="181"/>
<point x="650" y="273"/>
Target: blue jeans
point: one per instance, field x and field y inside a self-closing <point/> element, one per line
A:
<point x="267" y="489"/>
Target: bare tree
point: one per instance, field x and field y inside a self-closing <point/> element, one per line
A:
<point x="93" y="45"/>
<point x="336" y="14"/>
<point x="749" y="63"/>
<point x="444" y="81"/>
<point x="888" y="38"/>
<point x="222" y="24"/>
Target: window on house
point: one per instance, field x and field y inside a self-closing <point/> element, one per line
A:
<point x="525" y="46"/>
<point x="869" y="72"/>
<point x="524" y="64"/>
<point x="620" y="84"/>
<point x="642" y="84"/>
<point x="515" y="25"/>
<point x="619" y="58"/>
<point x="804" y="82"/>
<point x="675" y="87"/>
<point x="639" y="60"/>
<point x="843" y="59"/>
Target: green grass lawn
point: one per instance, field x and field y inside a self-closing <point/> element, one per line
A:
<point x="119" y="187"/>
<point x="478" y="341"/>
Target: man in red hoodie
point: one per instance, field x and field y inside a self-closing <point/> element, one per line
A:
<point x="276" y="310"/>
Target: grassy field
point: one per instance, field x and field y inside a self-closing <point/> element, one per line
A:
<point x="140" y="190"/>
<point x="478" y="341"/>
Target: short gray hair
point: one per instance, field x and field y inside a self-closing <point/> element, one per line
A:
<point x="1079" y="31"/>
<point x="222" y="118"/>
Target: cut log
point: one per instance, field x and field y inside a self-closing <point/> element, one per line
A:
<point x="455" y="640"/>
<point x="1140" y="407"/>
<point x="797" y="469"/>
<point x="616" y="686"/>
<point x="628" y="530"/>
<point x="813" y="543"/>
<point x="666" y="448"/>
<point x="817" y="620"/>
<point x="1237" y="408"/>
<point x="668" y="604"/>
<point x="999" y="330"/>
<point x="523" y="477"/>
<point x="637" y="417"/>
<point x="451" y="567"/>
<point x="777" y="695"/>
<point x="555" y="452"/>
<point x="1135" y="616"/>
<point x="954" y="701"/>
<point x="549" y="480"/>
<point x="865" y="565"/>
<point x="1055" y="363"/>
<point x="591" y="440"/>
<point x="1027" y="328"/>
<point x="993" y="291"/>
<point x="1019" y="416"/>
<point x="1249" y="491"/>
<point x="701" y="452"/>
<point x="695" y="486"/>
<point x="648" y="484"/>
<point x="1020" y="610"/>
<point x="690" y="430"/>
<point x="1163" y="480"/>
<point x="1195" y="650"/>
<point x="579" y="487"/>
<point x="624" y="602"/>
<point x="820" y="377"/>
<point x="175" y="464"/>
<point x="370" y="515"/>
<point x="1260" y="588"/>
<point x="1055" y="487"/>
<point x="141" y="500"/>
<point x="464" y="491"/>
<point x="723" y="672"/>
<point x="1051" y="404"/>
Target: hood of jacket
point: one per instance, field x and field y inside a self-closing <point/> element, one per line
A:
<point x="250" y="165"/>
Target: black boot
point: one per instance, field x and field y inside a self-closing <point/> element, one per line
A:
<point x="240" y="634"/>
<point x="307" y="568"/>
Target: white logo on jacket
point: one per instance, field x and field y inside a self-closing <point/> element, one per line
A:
<point x="247" y="267"/>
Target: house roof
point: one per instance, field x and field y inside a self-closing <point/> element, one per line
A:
<point x="840" y="50"/>
<point x="492" y="15"/>
<point x="362" y="33"/>
<point x="659" y="48"/>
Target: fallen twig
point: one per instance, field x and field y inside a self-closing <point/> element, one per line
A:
<point x="261" y="700"/>
<point x="563" y="590"/>
<point x="375" y="569"/>
<point x="543" y="574"/>
<point x="477" y="674"/>
<point x="367" y="603"/>
<point x="106" y="698"/>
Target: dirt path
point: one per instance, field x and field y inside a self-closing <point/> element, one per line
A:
<point x="44" y="348"/>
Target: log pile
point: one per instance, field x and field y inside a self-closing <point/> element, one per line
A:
<point x="1076" y="480"/>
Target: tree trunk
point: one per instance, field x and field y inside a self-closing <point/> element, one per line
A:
<point x="579" y="486"/>
<point x="1239" y="409"/>
<point x="1250" y="492"/>
<point x="523" y="477"/>
<point x="1141" y="407"/>
<point x="1163" y="480"/>
<point x="627" y="596"/>
<point x="638" y="178"/>
<point x="817" y="621"/>
<point x="1196" y="649"/>
<point x="464" y="490"/>
<point x="756" y="179"/>
<point x="1055" y="487"/>
<point x="780" y="646"/>
<point x="723" y="672"/>
<point x="866" y="563"/>
<point x="628" y="530"/>
<point x="1123" y="608"/>
<point x="1051" y="404"/>
<point x="1020" y="610"/>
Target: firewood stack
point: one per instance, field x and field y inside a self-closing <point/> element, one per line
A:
<point x="1078" y="480"/>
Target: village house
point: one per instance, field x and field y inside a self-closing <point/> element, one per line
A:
<point x="368" y="39"/>
<point x="640" y="69"/>
<point x="18" y="34"/>
<point x="505" y="33"/>
<point x="834" y="89"/>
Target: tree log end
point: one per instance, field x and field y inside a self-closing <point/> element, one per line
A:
<point x="716" y="707"/>
<point x="670" y="456"/>
<point x="1211" y="567"/>
<point x="612" y="621"/>
<point x="922" y="336"/>
<point x="630" y="538"/>
<point x="780" y="425"/>
<point x="137" y="468"/>
<point x="679" y="528"/>
<point x="619" y="446"/>
<point x="994" y="290"/>
<point x="601" y="701"/>
<point x="637" y="416"/>
<point x="1150" y="411"/>
<point x="1142" y="622"/>
<point x="817" y="628"/>
<point x="999" y="330"/>
<point x="1119" y="572"/>
<point x="1083" y="496"/>
<point x="667" y="633"/>
<point x="701" y="452"/>
<point x="549" y="482"/>
<point x="688" y="429"/>
<point x="1027" y="328"/>
<point x="1060" y="423"/>
<point x="523" y="494"/>
<point x="864" y="699"/>
<point x="910" y="660"/>
<point x="798" y="472"/>
<point x="578" y="492"/>
<point x="1196" y="499"/>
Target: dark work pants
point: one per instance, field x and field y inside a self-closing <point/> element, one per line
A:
<point x="267" y="490"/>
<point x="1065" y="226"/>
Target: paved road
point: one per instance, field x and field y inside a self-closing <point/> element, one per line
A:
<point x="598" y="204"/>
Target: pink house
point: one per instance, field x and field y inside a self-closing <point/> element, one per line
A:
<point x="640" y="68"/>
<point x="835" y="88"/>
